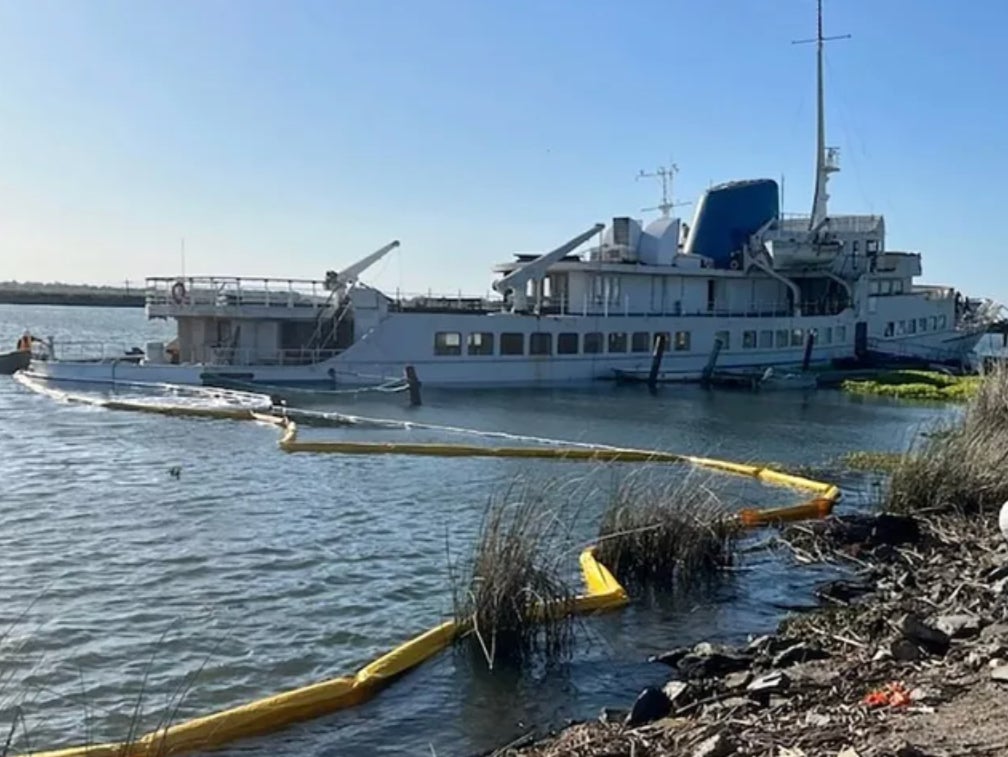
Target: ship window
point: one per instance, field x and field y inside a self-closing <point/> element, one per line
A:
<point x="682" y="341"/>
<point x="668" y="339"/>
<point x="934" y="323"/>
<point x="855" y="247"/>
<point x="841" y="334"/>
<point x="900" y="328"/>
<point x="871" y="246"/>
<point x="797" y="337"/>
<point x="640" y="342"/>
<point x="597" y="289"/>
<point x="592" y="342"/>
<point x="922" y="324"/>
<point x="783" y="338"/>
<point x="887" y="286"/>
<point x="873" y="287"/>
<point x="890" y="328"/>
<point x="567" y="344"/>
<point x="617" y="341"/>
<point x="911" y="326"/>
<point x="828" y="335"/>
<point x="540" y="344"/>
<point x="941" y="322"/>
<point x="512" y="343"/>
<point x="724" y="337"/>
<point x="766" y="340"/>
<point x="749" y="340"/>
<point x="447" y="343"/>
<point x="897" y="286"/>
<point x="480" y="343"/>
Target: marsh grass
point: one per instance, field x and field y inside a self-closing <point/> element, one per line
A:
<point x="513" y="596"/>
<point x="962" y="465"/>
<point x="666" y="535"/>
<point x="918" y="385"/>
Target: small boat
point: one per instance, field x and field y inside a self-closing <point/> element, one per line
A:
<point x="12" y="362"/>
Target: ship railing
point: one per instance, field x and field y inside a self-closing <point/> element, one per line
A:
<point x="443" y="301"/>
<point x="224" y="355"/>
<point x="91" y="351"/>
<point x="233" y="291"/>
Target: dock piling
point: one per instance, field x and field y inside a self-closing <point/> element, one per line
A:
<point x="656" y="358"/>
<point x="807" y="357"/>
<point x="708" y="370"/>
<point x="414" y="386"/>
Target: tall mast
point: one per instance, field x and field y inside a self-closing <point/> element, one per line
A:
<point x="666" y="174"/>
<point x="826" y="157"/>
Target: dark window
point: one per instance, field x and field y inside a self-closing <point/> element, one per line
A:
<point x="668" y="339"/>
<point x="567" y="344"/>
<point x="890" y="328"/>
<point x="724" y="337"/>
<point x="783" y="338"/>
<point x="512" y="343"/>
<point x="797" y="338"/>
<point x="481" y="343"/>
<point x="749" y="340"/>
<point x="447" y="343"/>
<point x="682" y="341"/>
<point x="766" y="340"/>
<point x="641" y="341"/>
<point x="540" y="344"/>
<point x="617" y="341"/>
<point x="592" y="342"/>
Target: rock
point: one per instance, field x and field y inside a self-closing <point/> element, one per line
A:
<point x="801" y="652"/>
<point x="714" y="665"/>
<point x="817" y="719"/>
<point x="770" y="683"/>
<point x="679" y="693"/>
<point x="997" y="573"/>
<point x="998" y="587"/>
<point x="718" y="745"/>
<point x="997" y="632"/>
<point x="1000" y="674"/>
<point x="958" y="626"/>
<point x="843" y="591"/>
<point x="895" y="529"/>
<point x="848" y="752"/>
<point x="925" y="694"/>
<point x="651" y="704"/>
<point x="738" y="680"/>
<point x="612" y="715"/>
<point x="909" y="750"/>
<point x="905" y="650"/>
<point x="926" y="637"/>
<point x="882" y="653"/>
<point x="672" y="657"/>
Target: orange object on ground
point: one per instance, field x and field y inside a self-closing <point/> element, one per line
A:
<point x="891" y="695"/>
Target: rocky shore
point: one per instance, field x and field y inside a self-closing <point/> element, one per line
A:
<point x="907" y="655"/>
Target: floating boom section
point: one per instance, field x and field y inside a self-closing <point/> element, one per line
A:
<point x="536" y="269"/>
<point x="728" y="215"/>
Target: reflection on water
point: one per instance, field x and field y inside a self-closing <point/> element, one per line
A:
<point x="261" y="571"/>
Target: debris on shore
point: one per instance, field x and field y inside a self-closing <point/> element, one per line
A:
<point x="906" y="656"/>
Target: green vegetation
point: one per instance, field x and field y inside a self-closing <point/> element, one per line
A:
<point x="917" y="385"/>
<point x="665" y="535"/>
<point x="965" y="466"/>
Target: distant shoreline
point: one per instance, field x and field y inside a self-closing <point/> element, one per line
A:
<point x="86" y="299"/>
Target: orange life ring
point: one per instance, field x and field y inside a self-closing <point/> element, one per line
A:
<point x="178" y="292"/>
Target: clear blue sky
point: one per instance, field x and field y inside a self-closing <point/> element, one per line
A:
<point x="285" y="138"/>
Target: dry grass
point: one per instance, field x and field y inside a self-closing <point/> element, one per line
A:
<point x="964" y="467"/>
<point x="516" y="599"/>
<point x="666" y="535"/>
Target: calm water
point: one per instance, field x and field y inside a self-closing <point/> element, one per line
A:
<point x="258" y="571"/>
